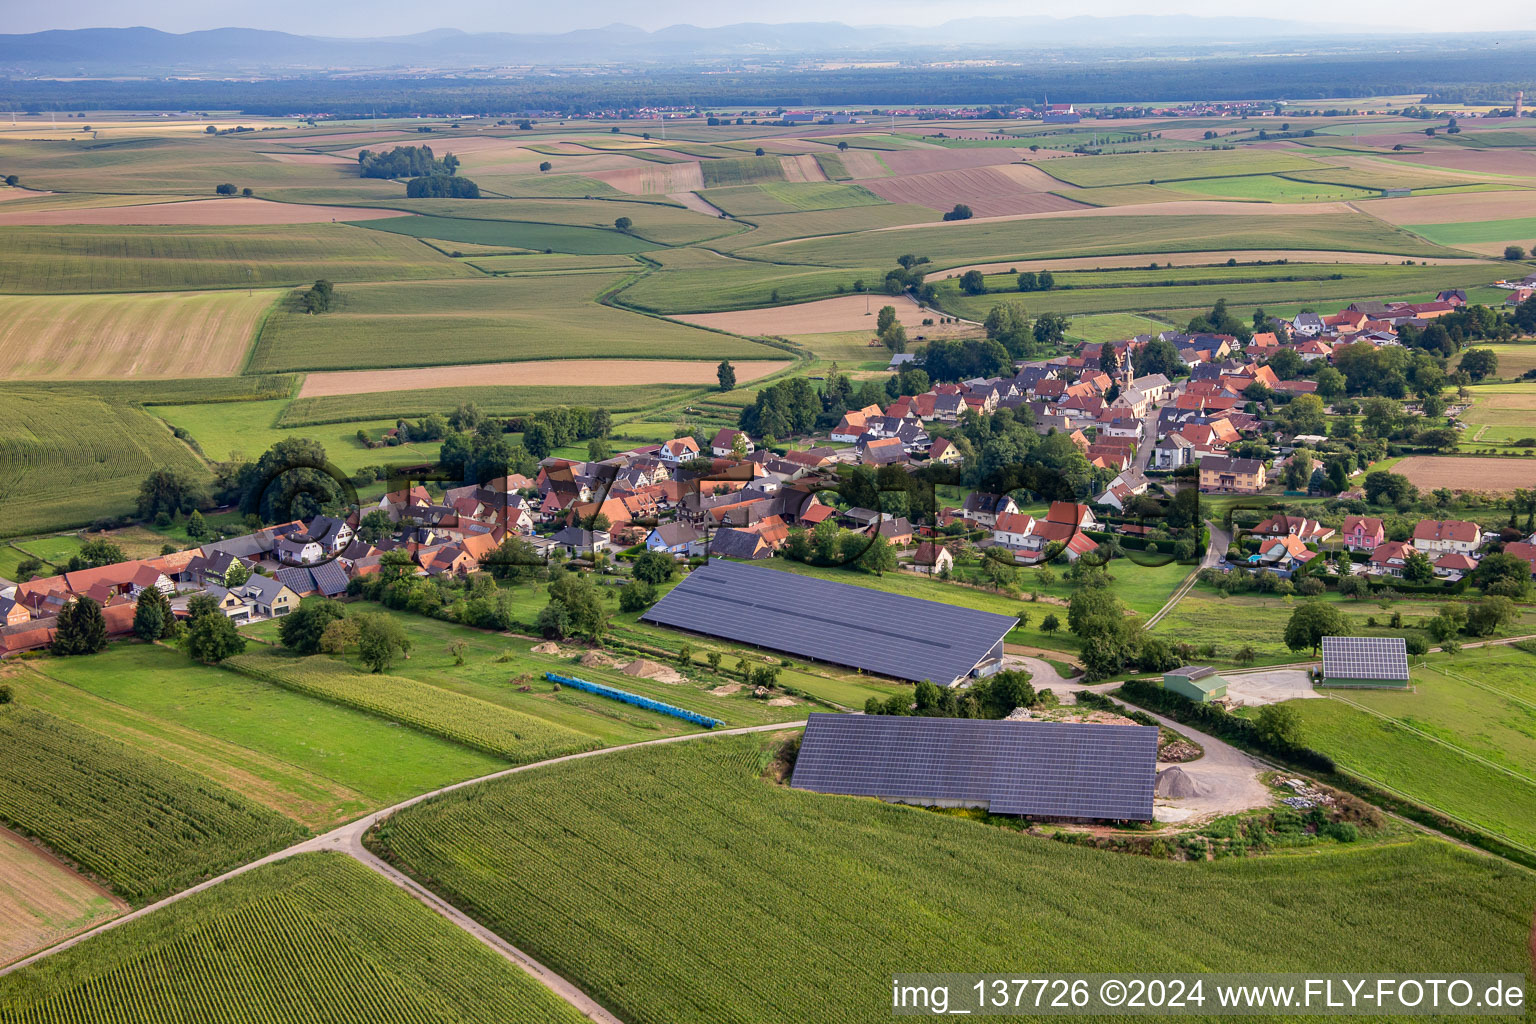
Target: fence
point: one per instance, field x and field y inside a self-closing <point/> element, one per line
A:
<point x="635" y="699"/>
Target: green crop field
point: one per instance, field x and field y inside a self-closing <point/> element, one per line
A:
<point x="833" y="167"/>
<point x="1129" y="290"/>
<point x="779" y="227"/>
<point x="1515" y="360"/>
<point x="545" y="186"/>
<point x="314" y="938"/>
<point x="724" y="284"/>
<point x="310" y="759"/>
<point x="539" y="263"/>
<point x="1268" y="188"/>
<point x="141" y="259"/>
<point x="144" y="825"/>
<point x="789" y="197"/>
<point x="833" y="885"/>
<point x="1104" y="235"/>
<point x="1460" y="743"/>
<point x="485" y="321"/>
<point x="1102" y="327"/>
<point x="1472" y="232"/>
<point x="71" y="458"/>
<point x="379" y="406"/>
<point x="1154" y="168"/>
<point x="741" y="171"/>
<point x="247" y="429"/>
<point x="475" y="723"/>
<point x="1502" y="412"/>
<point x="664" y="222"/>
<point x="516" y="234"/>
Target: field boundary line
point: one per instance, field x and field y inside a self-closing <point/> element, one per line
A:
<point x="1484" y="686"/>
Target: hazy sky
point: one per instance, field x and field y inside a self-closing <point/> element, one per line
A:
<point x="393" y="17"/>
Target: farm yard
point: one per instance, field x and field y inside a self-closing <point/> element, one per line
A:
<point x="863" y="870"/>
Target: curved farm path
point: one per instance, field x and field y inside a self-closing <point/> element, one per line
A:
<point x="348" y="839"/>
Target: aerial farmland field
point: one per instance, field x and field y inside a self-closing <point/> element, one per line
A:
<point x="861" y="870"/>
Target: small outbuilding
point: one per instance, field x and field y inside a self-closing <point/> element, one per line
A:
<point x="1199" y="683"/>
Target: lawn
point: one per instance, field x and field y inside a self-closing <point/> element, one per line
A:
<point x="1502" y="412"/>
<point x="1103" y="235"/>
<point x="317" y="937"/>
<point x="829" y="889"/>
<point x="314" y="761"/>
<point x="519" y="234"/>
<point x="157" y="259"/>
<point x="491" y="320"/>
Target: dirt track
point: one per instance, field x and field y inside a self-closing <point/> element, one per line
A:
<point x="542" y="373"/>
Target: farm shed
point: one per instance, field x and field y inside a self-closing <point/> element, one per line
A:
<point x="1049" y="769"/>
<point x="1365" y="661"/>
<point x="838" y="623"/>
<point x="1197" y="682"/>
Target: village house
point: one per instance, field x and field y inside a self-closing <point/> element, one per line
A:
<point x="1389" y="558"/>
<point x="681" y="540"/>
<point x="932" y="559"/>
<point x="1442" y="536"/>
<point x="723" y="445"/>
<point x="1363" y="533"/>
<point x="1219" y="474"/>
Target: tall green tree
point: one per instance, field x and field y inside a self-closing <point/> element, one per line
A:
<point x="725" y="373"/>
<point x="82" y="628"/>
<point x="1310" y="622"/>
<point x="213" y="637"/>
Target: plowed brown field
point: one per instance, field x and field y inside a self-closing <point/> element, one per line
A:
<point x="1427" y="472"/>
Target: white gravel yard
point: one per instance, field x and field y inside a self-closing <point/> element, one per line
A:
<point x="1253" y="689"/>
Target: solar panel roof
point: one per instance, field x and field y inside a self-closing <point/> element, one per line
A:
<point x="1365" y="657"/>
<point x="1052" y="769"/>
<point x="896" y="636"/>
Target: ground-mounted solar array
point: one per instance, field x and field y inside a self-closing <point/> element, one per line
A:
<point x="900" y="637"/>
<point x="1052" y="769"/>
<point x="1383" y="658"/>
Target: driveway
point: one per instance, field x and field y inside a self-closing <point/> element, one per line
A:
<point x="1042" y="675"/>
<point x="1253" y="689"/>
<point x="1220" y="541"/>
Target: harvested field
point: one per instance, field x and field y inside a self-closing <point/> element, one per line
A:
<point x="862" y="163"/>
<point x="1480" y="161"/>
<point x="988" y="191"/>
<point x="1195" y="259"/>
<point x="42" y="901"/>
<point x="654" y="179"/>
<point x="695" y="202"/>
<point x="198" y="212"/>
<point x="1456" y="207"/>
<point x="165" y="334"/>
<point x="802" y="168"/>
<point x="844" y="313"/>
<point x="1427" y="472"/>
<point x="309" y="158"/>
<point x="542" y="373"/>
<point x="17" y="192"/>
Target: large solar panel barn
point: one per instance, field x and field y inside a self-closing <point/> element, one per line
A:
<point x="1365" y="661"/>
<point x="838" y="623"/>
<point x="1045" y="769"/>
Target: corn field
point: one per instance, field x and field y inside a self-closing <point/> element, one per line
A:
<point x="674" y="884"/>
<point x="144" y="825"/>
<point x="475" y="723"/>
<point x="317" y="939"/>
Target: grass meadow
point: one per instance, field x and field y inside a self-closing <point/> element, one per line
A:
<point x="317" y="937"/>
<point x="789" y="197"/>
<point x="153" y="259"/>
<point x="316" y="762"/>
<point x="568" y="238"/>
<point x="835" y="884"/>
<point x="379" y="326"/>
<point x="247" y="429"/>
<point x="1463" y="741"/>
<point x="379" y="406"/>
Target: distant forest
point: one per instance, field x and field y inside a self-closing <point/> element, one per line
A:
<point x="1465" y="75"/>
